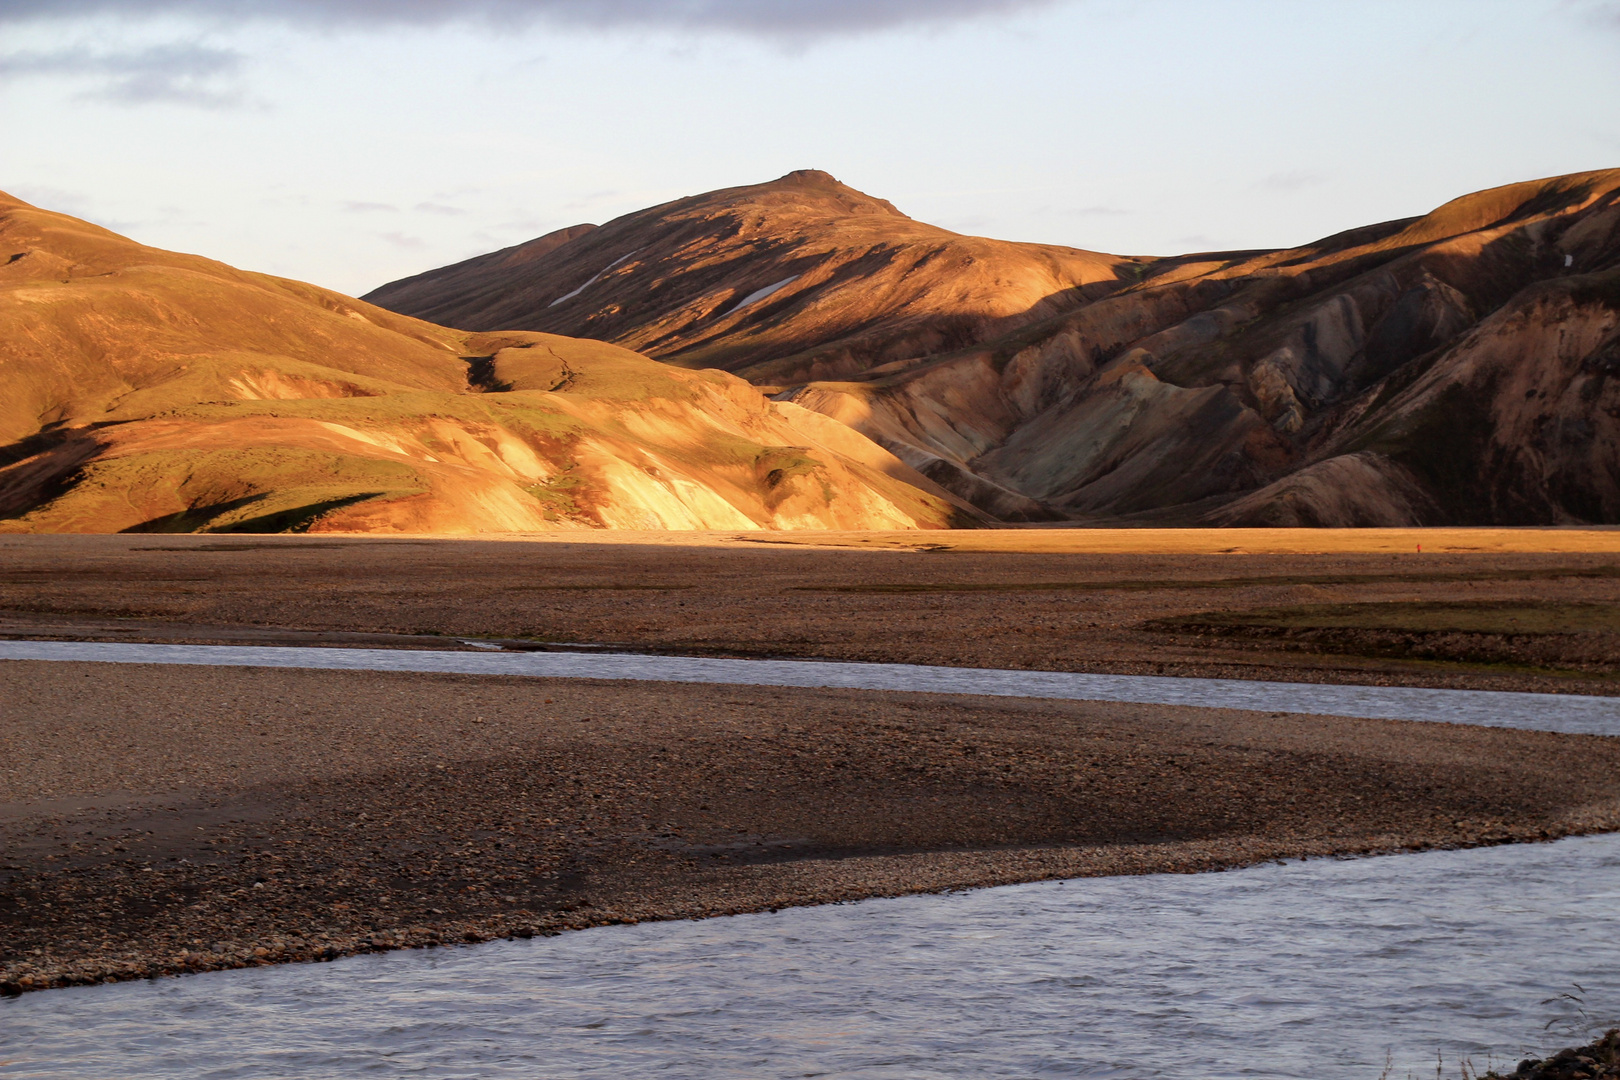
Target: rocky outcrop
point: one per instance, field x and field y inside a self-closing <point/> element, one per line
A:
<point x="1598" y="1060"/>
<point x="141" y="390"/>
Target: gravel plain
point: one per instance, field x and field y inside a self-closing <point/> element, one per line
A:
<point x="1058" y="600"/>
<point x="157" y="820"/>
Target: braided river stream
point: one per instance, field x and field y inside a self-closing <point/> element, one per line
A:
<point x="1325" y="968"/>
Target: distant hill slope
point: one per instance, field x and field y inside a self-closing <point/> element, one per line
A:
<point x="1453" y="368"/>
<point x="146" y="390"/>
<point x="796" y="279"/>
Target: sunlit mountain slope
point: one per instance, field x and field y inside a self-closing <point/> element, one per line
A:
<point x="146" y="390"/>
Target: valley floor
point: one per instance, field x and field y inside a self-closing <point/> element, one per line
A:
<point x="1498" y="609"/>
<point x="159" y="819"/>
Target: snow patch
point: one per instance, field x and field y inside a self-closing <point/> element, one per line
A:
<point x="599" y="275"/>
<point x="759" y="294"/>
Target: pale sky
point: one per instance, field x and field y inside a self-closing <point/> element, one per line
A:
<point x="350" y="142"/>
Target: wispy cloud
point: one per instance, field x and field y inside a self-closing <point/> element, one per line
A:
<point x="61" y="200"/>
<point x="438" y="208"/>
<point x="369" y="208"/>
<point x="1297" y="180"/>
<point x="178" y="73"/>
<point x="1604" y="13"/>
<point x="190" y="73"/>
<point x="767" y="18"/>
<point x="404" y="240"/>
<point x="1193" y="243"/>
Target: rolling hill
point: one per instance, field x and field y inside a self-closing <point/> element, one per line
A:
<point x="144" y="390"/>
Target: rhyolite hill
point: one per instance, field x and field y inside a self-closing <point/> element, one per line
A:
<point x="1451" y="368"/>
<point x="144" y="390"/>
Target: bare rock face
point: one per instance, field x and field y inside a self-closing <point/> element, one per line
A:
<point x="142" y="390"/>
<point x="801" y="278"/>
<point x="1452" y="368"/>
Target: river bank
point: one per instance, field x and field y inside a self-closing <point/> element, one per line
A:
<point x="163" y="820"/>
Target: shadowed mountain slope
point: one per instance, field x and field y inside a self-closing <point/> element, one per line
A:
<point x="796" y="279"/>
<point x="146" y="390"/>
<point x="1451" y="368"/>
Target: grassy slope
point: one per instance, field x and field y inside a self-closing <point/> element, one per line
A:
<point x="143" y="389"/>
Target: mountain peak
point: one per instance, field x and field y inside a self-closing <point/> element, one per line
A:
<point x="811" y="176"/>
<point x="816" y="183"/>
<point x="796" y="267"/>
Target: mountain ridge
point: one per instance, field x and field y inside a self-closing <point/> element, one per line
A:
<point x="856" y="282"/>
<point x="1330" y="383"/>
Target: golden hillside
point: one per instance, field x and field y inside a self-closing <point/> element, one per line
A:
<point x="142" y="389"/>
<point x="799" y="278"/>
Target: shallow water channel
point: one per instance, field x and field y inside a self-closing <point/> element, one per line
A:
<point x="1573" y="713"/>
<point x="1326" y="968"/>
<point x="1315" y="969"/>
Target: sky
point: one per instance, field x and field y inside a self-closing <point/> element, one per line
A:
<point x="352" y="142"/>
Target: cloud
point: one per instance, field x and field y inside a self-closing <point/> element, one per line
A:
<point x="1193" y="244"/>
<point x="369" y="207"/>
<point x="180" y="73"/>
<point x="766" y="18"/>
<point x="58" y="199"/>
<point x="1297" y="180"/>
<point x="438" y="208"/>
<point x="1604" y="14"/>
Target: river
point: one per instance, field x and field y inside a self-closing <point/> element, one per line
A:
<point x="1571" y="713"/>
<point x="1325" y="968"/>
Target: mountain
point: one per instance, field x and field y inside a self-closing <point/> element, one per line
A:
<point x="1451" y="368"/>
<point x="144" y="390"/>
<point x="796" y="279"/>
